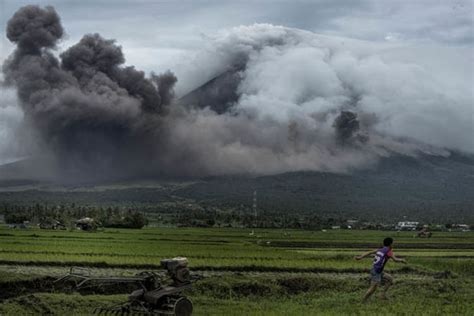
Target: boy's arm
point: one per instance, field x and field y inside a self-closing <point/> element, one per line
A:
<point x="362" y="256"/>
<point x="398" y="259"/>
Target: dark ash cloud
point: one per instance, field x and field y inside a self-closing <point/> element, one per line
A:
<point x="89" y="109"/>
<point x="33" y="27"/>
<point x="346" y="125"/>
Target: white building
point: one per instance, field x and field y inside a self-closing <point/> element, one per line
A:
<point x="407" y="225"/>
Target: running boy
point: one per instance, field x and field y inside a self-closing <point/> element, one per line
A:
<point x="376" y="273"/>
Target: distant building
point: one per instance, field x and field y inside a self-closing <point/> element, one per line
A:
<point x="51" y="224"/>
<point x="86" y="223"/>
<point x="19" y="225"/>
<point x="407" y="225"/>
<point x="353" y="224"/>
<point x="462" y="227"/>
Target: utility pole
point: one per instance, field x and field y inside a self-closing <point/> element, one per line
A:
<point x="255" y="207"/>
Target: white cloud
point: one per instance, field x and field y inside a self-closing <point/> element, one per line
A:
<point x="410" y="99"/>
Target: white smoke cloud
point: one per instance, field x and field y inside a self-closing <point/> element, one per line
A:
<point x="423" y="93"/>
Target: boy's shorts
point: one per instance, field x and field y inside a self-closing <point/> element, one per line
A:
<point x="378" y="277"/>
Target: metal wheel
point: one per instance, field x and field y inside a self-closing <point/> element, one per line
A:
<point x="183" y="307"/>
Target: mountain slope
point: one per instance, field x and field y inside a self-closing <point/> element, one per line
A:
<point x="428" y="188"/>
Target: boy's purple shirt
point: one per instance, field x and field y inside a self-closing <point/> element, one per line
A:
<point x="381" y="257"/>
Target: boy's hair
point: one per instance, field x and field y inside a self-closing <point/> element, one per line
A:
<point x="388" y="241"/>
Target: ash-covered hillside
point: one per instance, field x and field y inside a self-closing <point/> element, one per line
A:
<point x="432" y="189"/>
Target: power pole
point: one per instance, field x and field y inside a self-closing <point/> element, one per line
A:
<point x="255" y="206"/>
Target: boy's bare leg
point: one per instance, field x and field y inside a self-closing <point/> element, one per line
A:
<point x="388" y="280"/>
<point x="370" y="291"/>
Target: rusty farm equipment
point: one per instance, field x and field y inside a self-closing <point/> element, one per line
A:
<point x="155" y="294"/>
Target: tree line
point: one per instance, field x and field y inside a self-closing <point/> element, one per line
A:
<point x="104" y="216"/>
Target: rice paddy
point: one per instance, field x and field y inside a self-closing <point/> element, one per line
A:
<point x="261" y="272"/>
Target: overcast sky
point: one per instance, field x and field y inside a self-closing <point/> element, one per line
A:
<point x="155" y="34"/>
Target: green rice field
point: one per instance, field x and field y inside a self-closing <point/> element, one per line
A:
<point x="244" y="272"/>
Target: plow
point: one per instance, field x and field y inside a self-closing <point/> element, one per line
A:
<point x="156" y="293"/>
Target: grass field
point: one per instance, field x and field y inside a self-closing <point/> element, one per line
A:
<point x="270" y="272"/>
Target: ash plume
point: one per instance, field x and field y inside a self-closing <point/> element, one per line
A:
<point x="32" y="28"/>
<point x="346" y="125"/>
<point x="165" y="83"/>
<point x="90" y="109"/>
<point x="259" y="99"/>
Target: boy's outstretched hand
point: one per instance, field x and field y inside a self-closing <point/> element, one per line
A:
<point x="399" y="260"/>
<point x="362" y="256"/>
